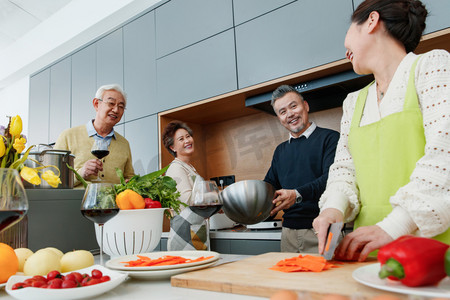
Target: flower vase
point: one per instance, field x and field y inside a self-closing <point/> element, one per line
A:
<point x="13" y="209"/>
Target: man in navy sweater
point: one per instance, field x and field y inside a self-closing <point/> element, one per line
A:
<point x="299" y="170"/>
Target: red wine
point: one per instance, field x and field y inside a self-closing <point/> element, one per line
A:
<point x="10" y="217"/>
<point x="99" y="216"/>
<point x="100" y="153"/>
<point x="206" y="211"/>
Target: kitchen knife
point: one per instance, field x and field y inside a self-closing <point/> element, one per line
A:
<point x="332" y="239"/>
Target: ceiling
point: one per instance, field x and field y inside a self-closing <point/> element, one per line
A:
<point x="17" y="17"/>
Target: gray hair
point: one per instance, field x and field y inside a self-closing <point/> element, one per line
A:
<point x="281" y="91"/>
<point x="108" y="87"/>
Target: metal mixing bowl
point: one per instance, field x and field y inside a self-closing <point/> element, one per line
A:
<point x="248" y="202"/>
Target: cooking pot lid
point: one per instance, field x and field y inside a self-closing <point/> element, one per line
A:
<point x="52" y="152"/>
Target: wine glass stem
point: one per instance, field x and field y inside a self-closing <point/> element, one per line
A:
<point x="208" y="242"/>
<point x="101" y="244"/>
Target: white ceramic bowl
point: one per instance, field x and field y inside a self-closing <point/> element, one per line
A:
<point x="132" y="231"/>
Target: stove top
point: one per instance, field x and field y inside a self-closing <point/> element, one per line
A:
<point x="274" y="224"/>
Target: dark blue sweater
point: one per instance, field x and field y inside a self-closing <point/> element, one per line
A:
<point x="303" y="165"/>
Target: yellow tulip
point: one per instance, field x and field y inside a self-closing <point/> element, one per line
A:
<point x="30" y="175"/>
<point x="19" y="144"/>
<point x="2" y="146"/>
<point x="15" y="128"/>
<point x="51" y="178"/>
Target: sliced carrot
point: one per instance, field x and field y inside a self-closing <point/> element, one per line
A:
<point x="303" y="263"/>
<point x="144" y="261"/>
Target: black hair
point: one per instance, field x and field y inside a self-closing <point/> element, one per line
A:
<point x="403" y="19"/>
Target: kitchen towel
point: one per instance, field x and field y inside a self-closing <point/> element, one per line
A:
<point x="187" y="232"/>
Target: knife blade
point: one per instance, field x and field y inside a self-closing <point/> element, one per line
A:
<point x="332" y="238"/>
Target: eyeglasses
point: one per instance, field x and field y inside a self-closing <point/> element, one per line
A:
<point x="112" y="104"/>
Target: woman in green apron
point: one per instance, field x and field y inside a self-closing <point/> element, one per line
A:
<point x="391" y="173"/>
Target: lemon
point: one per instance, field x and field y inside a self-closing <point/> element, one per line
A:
<point x="42" y="262"/>
<point x="22" y="255"/>
<point x="75" y="260"/>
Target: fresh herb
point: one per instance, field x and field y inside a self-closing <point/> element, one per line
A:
<point x="154" y="185"/>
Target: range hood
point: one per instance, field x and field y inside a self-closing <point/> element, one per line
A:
<point x="323" y="93"/>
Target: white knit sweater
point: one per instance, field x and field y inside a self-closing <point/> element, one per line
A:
<point x="422" y="206"/>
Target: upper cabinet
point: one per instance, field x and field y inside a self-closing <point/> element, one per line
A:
<point x="60" y="98"/>
<point x="197" y="72"/>
<point x="245" y="10"/>
<point x="437" y="15"/>
<point x="181" y="23"/>
<point x="110" y="59"/>
<point x="140" y="67"/>
<point x="38" y="107"/>
<point x="295" y="37"/>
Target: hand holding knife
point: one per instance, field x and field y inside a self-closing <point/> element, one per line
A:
<point x="332" y="238"/>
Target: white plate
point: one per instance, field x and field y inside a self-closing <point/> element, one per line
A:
<point x="117" y="264"/>
<point x="2" y="285"/>
<point x="165" y="274"/>
<point x="73" y="293"/>
<point x="368" y="275"/>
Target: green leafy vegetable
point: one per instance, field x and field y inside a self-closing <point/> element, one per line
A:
<point x="78" y="176"/>
<point x="154" y="185"/>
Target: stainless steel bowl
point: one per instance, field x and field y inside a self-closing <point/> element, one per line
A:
<point x="248" y="202"/>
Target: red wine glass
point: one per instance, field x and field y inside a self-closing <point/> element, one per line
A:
<point x="99" y="206"/>
<point x="13" y="199"/>
<point x="205" y="201"/>
<point x="100" y="150"/>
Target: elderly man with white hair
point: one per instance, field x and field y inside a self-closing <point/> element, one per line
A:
<point x="109" y="103"/>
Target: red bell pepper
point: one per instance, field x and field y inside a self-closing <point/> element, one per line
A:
<point x="415" y="261"/>
<point x="150" y="203"/>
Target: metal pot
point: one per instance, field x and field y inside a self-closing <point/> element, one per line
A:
<point x="53" y="157"/>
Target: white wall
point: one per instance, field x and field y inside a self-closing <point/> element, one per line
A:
<point x="14" y="101"/>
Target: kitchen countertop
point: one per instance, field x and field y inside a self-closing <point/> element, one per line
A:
<point x="162" y="289"/>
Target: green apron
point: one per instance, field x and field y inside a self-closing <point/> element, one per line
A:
<point x="385" y="154"/>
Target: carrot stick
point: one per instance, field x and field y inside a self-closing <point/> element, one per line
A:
<point x="144" y="261"/>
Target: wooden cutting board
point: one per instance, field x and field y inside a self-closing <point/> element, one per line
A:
<point x="251" y="276"/>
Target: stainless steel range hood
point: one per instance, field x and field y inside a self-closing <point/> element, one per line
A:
<point x="323" y="93"/>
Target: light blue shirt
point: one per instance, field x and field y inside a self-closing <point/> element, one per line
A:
<point x="92" y="132"/>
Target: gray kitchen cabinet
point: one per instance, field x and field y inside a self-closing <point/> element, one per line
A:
<point x="142" y="135"/>
<point x="120" y="128"/>
<point x="84" y="85"/>
<point x="55" y="220"/>
<point x="197" y="72"/>
<point x="245" y="10"/>
<point x="140" y="66"/>
<point x="295" y="37"/>
<point x="39" y="108"/>
<point x="110" y="59"/>
<point x="437" y="15"/>
<point x="60" y="98"/>
<point x="180" y="23"/>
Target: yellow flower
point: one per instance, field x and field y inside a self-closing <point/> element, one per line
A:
<point x="51" y="178"/>
<point x="30" y="175"/>
<point x="2" y="146"/>
<point x="19" y="144"/>
<point x="15" y="128"/>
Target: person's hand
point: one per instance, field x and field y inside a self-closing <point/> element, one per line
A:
<point x="283" y="199"/>
<point x="323" y="221"/>
<point x="358" y="244"/>
<point x="91" y="167"/>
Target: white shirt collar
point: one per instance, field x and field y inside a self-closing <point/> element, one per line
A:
<point x="306" y="133"/>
